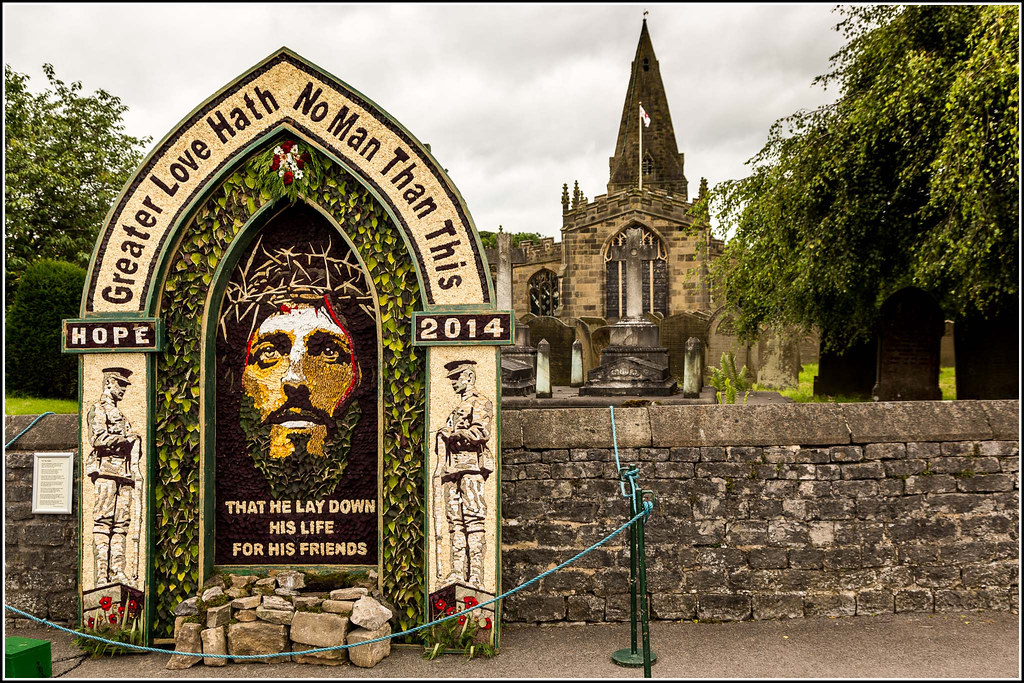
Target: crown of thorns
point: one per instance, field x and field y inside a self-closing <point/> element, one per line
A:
<point x="291" y="276"/>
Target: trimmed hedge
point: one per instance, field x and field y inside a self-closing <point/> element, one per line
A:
<point x="48" y="292"/>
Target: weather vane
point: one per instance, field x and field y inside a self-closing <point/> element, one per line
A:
<point x="645" y="14"/>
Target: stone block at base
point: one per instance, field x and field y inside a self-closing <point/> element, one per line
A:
<point x="188" y="640"/>
<point x="214" y="643"/>
<point x="367" y="656"/>
<point x="257" y="638"/>
<point x="319" y="630"/>
<point x="329" y="658"/>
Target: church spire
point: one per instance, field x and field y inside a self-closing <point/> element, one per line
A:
<point x="662" y="162"/>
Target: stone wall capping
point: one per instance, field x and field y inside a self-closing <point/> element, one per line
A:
<point x="807" y="424"/>
<point x="584" y="427"/>
<point x="903" y="421"/>
<point x="1003" y="418"/>
<point x="53" y="432"/>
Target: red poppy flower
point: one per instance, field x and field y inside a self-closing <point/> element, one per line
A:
<point x="120" y="609"/>
<point x="287" y="146"/>
<point x="105" y="603"/>
<point x="450" y="611"/>
<point x="132" y="605"/>
<point x="440" y="604"/>
<point x="276" y="163"/>
<point x="462" y="620"/>
<point x="113" y="618"/>
<point x="487" y="625"/>
<point x="92" y="622"/>
<point x="287" y="178"/>
<point x="471" y="601"/>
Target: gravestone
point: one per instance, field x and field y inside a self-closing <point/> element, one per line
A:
<point x="676" y="330"/>
<point x="693" y="377"/>
<point x="909" y="334"/>
<point x="245" y="353"/>
<point x="518" y="362"/>
<point x="778" y="359"/>
<point x="947" y="350"/>
<point x="722" y="339"/>
<point x="988" y="354"/>
<point x="599" y="341"/>
<point x="560" y="335"/>
<point x="593" y="322"/>
<point x="634" y="363"/>
<point x="849" y="373"/>
<point x="810" y="344"/>
<point x="590" y="359"/>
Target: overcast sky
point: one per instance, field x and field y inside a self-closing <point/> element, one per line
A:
<point x="514" y="100"/>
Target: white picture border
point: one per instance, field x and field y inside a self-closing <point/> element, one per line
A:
<point x="69" y="458"/>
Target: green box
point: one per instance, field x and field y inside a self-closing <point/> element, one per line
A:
<point x="27" y="658"/>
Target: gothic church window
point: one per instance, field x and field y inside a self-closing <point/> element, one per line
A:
<point x="648" y="165"/>
<point x="543" y="289"/>
<point x="654" y="276"/>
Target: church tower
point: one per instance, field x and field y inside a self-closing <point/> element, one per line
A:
<point x="662" y="164"/>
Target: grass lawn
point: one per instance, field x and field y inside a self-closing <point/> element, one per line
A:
<point x="805" y="392"/>
<point x="20" y="405"/>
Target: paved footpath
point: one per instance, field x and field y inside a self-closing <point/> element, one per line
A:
<point x="948" y="645"/>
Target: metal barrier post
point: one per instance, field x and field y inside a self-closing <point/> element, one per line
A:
<point x="636" y="656"/>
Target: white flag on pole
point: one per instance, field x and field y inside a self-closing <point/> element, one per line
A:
<point x="643" y="115"/>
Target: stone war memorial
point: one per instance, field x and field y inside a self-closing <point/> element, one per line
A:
<point x="289" y="389"/>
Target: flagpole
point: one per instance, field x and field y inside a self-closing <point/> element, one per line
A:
<point x="640" y="145"/>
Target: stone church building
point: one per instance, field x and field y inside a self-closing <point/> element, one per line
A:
<point x="583" y="276"/>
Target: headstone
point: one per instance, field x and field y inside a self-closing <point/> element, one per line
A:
<point x="778" y="359"/>
<point x="676" y="330"/>
<point x="722" y="339"/>
<point x="543" y="369"/>
<point x="988" y="354"/>
<point x="850" y="373"/>
<point x="599" y="341"/>
<point x="577" y="364"/>
<point x="693" y="376"/>
<point x="583" y="336"/>
<point x="810" y="344"/>
<point x="947" y="350"/>
<point x="518" y="362"/>
<point x="909" y="335"/>
<point x="560" y="335"/>
<point x="634" y="363"/>
<point x="593" y="322"/>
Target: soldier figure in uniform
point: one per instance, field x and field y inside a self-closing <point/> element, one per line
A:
<point x="462" y="469"/>
<point x="113" y="467"/>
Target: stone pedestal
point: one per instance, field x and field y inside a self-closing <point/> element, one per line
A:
<point x="634" y="363"/>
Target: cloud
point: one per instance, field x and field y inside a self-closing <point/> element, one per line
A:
<point x="514" y="100"/>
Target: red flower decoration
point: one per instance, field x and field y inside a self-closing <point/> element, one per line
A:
<point x="450" y="611"/>
<point x="113" y="618"/>
<point x="471" y="601"/>
<point x="105" y="603"/>
<point x="440" y="605"/>
<point x="287" y="146"/>
<point x="120" y="609"/>
<point x="462" y="620"/>
<point x="487" y="625"/>
<point x="287" y="177"/>
<point x="92" y="622"/>
<point x="132" y="605"/>
<point x="300" y="163"/>
<point x="276" y="163"/>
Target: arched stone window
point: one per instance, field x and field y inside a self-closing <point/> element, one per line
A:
<point x="648" y="165"/>
<point x="543" y="288"/>
<point x="654" y="273"/>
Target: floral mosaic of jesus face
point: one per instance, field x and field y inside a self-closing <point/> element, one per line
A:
<point x="297" y="410"/>
<point x="300" y="367"/>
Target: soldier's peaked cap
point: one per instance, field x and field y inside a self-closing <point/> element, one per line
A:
<point x="120" y="374"/>
<point x="456" y="367"/>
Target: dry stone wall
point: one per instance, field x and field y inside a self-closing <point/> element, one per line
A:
<point x="765" y="512"/>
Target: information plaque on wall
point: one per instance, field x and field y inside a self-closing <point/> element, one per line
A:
<point x="52" y="478"/>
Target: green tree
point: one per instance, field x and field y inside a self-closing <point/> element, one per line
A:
<point x="66" y="159"/>
<point x="909" y="178"/>
<point x="490" y="239"/>
<point x="50" y="291"/>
